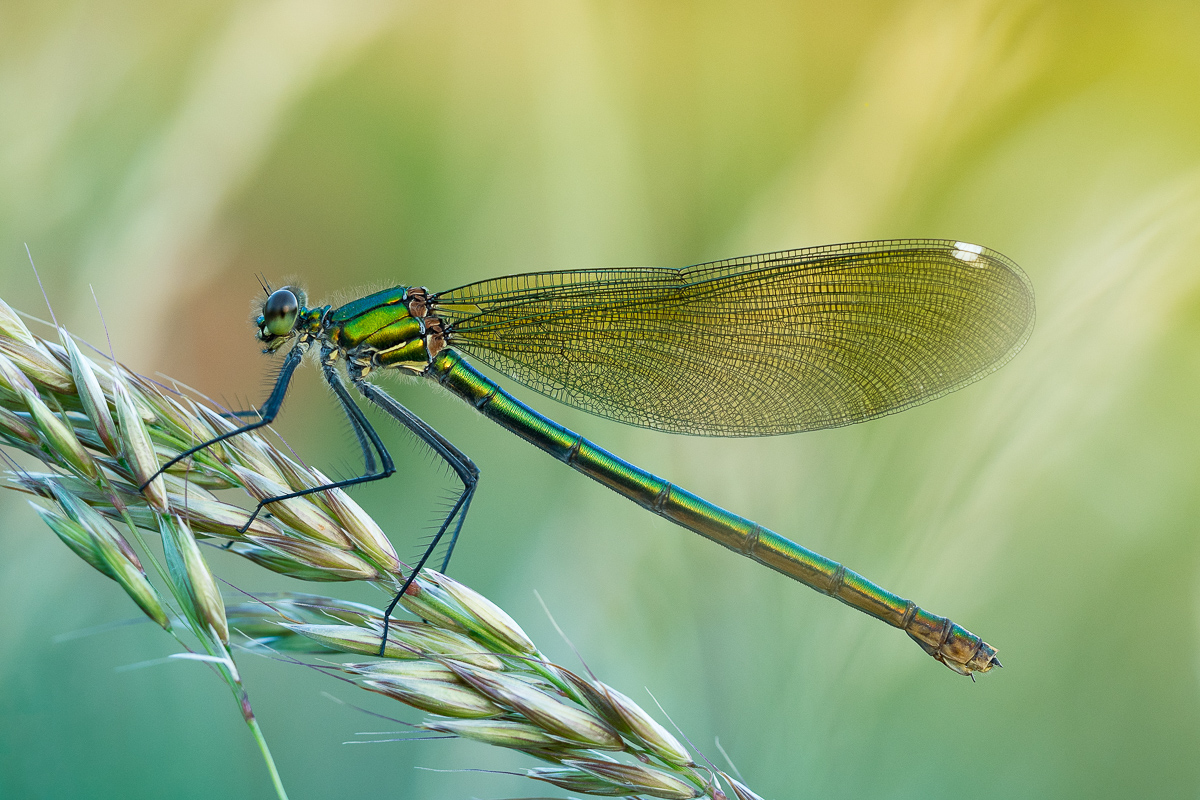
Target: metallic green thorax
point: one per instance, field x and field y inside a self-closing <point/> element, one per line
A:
<point x="384" y="330"/>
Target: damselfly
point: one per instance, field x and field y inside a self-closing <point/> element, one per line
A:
<point x="777" y="343"/>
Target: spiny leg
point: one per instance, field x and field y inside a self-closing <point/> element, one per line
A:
<point x="366" y="435"/>
<point x="240" y="414"/>
<point x="466" y="470"/>
<point x="266" y="416"/>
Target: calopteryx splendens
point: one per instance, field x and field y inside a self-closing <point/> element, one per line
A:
<point x="776" y="343"/>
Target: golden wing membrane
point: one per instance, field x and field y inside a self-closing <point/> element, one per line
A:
<point x="768" y="344"/>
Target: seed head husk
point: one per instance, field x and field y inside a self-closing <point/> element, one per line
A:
<point x="75" y="537"/>
<point x="656" y="738"/>
<point x="740" y="789"/>
<point x="432" y="641"/>
<point x="213" y="516"/>
<point x="13" y="326"/>
<point x="254" y="454"/>
<point x="137" y="448"/>
<point x="642" y="779"/>
<point x="368" y="538"/>
<point x="498" y="732"/>
<point x="41" y="368"/>
<point x="552" y="714"/>
<point x="429" y="602"/>
<point x="298" y="512"/>
<point x="340" y="563"/>
<point x="436" y="697"/>
<point x="320" y="609"/>
<point x="496" y="624"/>
<point x="91" y="520"/>
<point x="17" y="428"/>
<point x="352" y="639"/>
<point x="131" y="578"/>
<point x="192" y="577"/>
<point x="271" y="558"/>
<point x="91" y="396"/>
<point x="576" y="780"/>
<point x="423" y="670"/>
<point x="60" y="437"/>
<point x="12" y="380"/>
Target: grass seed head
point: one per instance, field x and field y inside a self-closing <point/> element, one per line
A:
<point x="656" y="738"/>
<point x="641" y="779"/>
<point x="298" y="512"/>
<point x="436" y="697"/>
<point x="741" y="790"/>
<point x="42" y="368"/>
<point x="554" y="715"/>
<point x="75" y="537"/>
<point x="137" y="448"/>
<point x="465" y="659"/>
<point x="192" y="577"/>
<point x="338" y="565"/>
<point x="495" y="622"/>
<point x="91" y="396"/>
<point x="497" y="732"/>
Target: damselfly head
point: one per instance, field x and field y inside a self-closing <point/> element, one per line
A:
<point x="277" y="322"/>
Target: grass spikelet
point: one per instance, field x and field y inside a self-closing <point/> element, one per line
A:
<point x="91" y="396"/>
<point x="494" y="622"/>
<point x="138" y="451"/>
<point x="75" y="537"/>
<point x="301" y="513"/>
<point x="192" y="578"/>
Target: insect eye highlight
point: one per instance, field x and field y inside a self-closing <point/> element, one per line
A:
<point x="279" y="312"/>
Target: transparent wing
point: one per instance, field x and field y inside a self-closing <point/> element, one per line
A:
<point x="767" y="344"/>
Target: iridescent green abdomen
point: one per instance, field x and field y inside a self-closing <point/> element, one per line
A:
<point x="953" y="645"/>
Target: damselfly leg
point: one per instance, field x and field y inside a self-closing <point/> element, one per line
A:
<point x="466" y="470"/>
<point x="267" y="414"/>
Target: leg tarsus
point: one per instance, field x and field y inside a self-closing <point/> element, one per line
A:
<point x="459" y="510"/>
<point x="269" y="410"/>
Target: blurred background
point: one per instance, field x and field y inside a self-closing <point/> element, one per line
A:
<point x="163" y="153"/>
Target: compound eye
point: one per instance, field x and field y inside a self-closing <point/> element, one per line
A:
<point x="279" y="312"/>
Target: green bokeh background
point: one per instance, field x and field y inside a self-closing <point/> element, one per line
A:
<point x="165" y="152"/>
